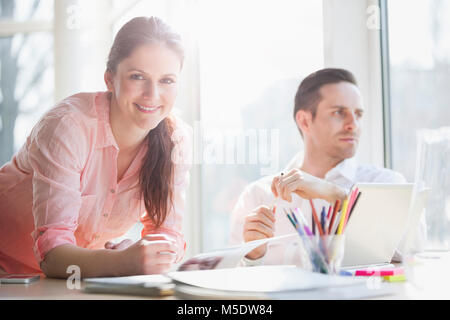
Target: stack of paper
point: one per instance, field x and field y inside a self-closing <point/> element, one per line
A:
<point x="261" y="279"/>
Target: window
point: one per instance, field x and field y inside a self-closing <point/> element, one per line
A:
<point x="26" y="64"/>
<point x="253" y="55"/>
<point x="419" y="72"/>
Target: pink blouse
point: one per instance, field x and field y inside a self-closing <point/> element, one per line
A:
<point x="61" y="187"/>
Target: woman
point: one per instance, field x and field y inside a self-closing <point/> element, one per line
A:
<point x="98" y="163"/>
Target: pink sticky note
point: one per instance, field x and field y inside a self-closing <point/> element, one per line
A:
<point x="379" y="272"/>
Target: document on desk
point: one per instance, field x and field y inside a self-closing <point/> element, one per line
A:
<point x="261" y="279"/>
<point x="224" y="258"/>
<point x="227" y="257"/>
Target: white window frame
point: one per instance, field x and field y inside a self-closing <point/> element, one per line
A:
<point x="351" y="44"/>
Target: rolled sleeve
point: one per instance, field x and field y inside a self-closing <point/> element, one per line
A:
<point x="51" y="237"/>
<point x="57" y="153"/>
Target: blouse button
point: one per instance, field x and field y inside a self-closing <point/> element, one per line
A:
<point x="105" y="215"/>
<point x="112" y="191"/>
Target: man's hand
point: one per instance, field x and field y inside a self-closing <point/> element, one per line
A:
<point x="259" y="224"/>
<point x="306" y="186"/>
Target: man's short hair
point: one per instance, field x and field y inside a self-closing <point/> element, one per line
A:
<point x="308" y="95"/>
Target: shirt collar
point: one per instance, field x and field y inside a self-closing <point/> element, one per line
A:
<point x="105" y="137"/>
<point x="345" y="169"/>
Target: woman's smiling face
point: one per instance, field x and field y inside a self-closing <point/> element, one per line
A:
<point x="145" y="85"/>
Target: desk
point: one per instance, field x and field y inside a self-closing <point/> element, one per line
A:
<point x="428" y="278"/>
<point x="56" y="289"/>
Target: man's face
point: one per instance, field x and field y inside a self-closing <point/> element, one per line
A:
<point x="336" y="128"/>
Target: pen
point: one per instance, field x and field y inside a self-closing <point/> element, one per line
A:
<point x="291" y="220"/>
<point x="295" y="218"/>
<point x="295" y="223"/>
<point x="322" y="218"/>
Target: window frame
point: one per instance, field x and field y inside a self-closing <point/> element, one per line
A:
<point x="386" y="83"/>
<point x="350" y="44"/>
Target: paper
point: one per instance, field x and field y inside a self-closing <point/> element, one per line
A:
<point x="130" y="280"/>
<point x="226" y="258"/>
<point x="261" y="279"/>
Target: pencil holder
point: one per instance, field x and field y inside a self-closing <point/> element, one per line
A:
<point x="325" y="252"/>
<point x="335" y="254"/>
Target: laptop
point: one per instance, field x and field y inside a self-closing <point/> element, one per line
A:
<point x="377" y="224"/>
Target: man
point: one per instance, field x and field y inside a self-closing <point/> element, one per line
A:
<point x="328" y="112"/>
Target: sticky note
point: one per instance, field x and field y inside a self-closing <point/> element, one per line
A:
<point x="379" y="272"/>
<point x="397" y="278"/>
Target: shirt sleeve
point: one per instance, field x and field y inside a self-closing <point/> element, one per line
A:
<point x="57" y="153"/>
<point x="173" y="224"/>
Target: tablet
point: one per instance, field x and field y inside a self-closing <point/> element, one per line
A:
<point x="18" y="278"/>
<point x="377" y="224"/>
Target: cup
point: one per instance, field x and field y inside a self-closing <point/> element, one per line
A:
<point x="325" y="253"/>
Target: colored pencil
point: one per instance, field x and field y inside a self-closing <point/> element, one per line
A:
<point x="353" y="207"/>
<point x="329" y="212"/>
<point x="316" y="219"/>
<point x="291" y="220"/>
<point x="352" y="202"/>
<point x="333" y="216"/>
<point x="342" y="219"/>
<point x="323" y="218"/>
<point x="303" y="221"/>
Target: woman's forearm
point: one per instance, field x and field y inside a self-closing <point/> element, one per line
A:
<point x="91" y="263"/>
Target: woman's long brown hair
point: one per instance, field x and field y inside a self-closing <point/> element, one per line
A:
<point x="157" y="173"/>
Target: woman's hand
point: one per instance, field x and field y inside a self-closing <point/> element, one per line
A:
<point x="306" y="186"/>
<point x="119" y="246"/>
<point x="259" y="224"/>
<point x="153" y="254"/>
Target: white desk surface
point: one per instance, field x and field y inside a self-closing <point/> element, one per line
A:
<point x="56" y="289"/>
<point x="428" y="278"/>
